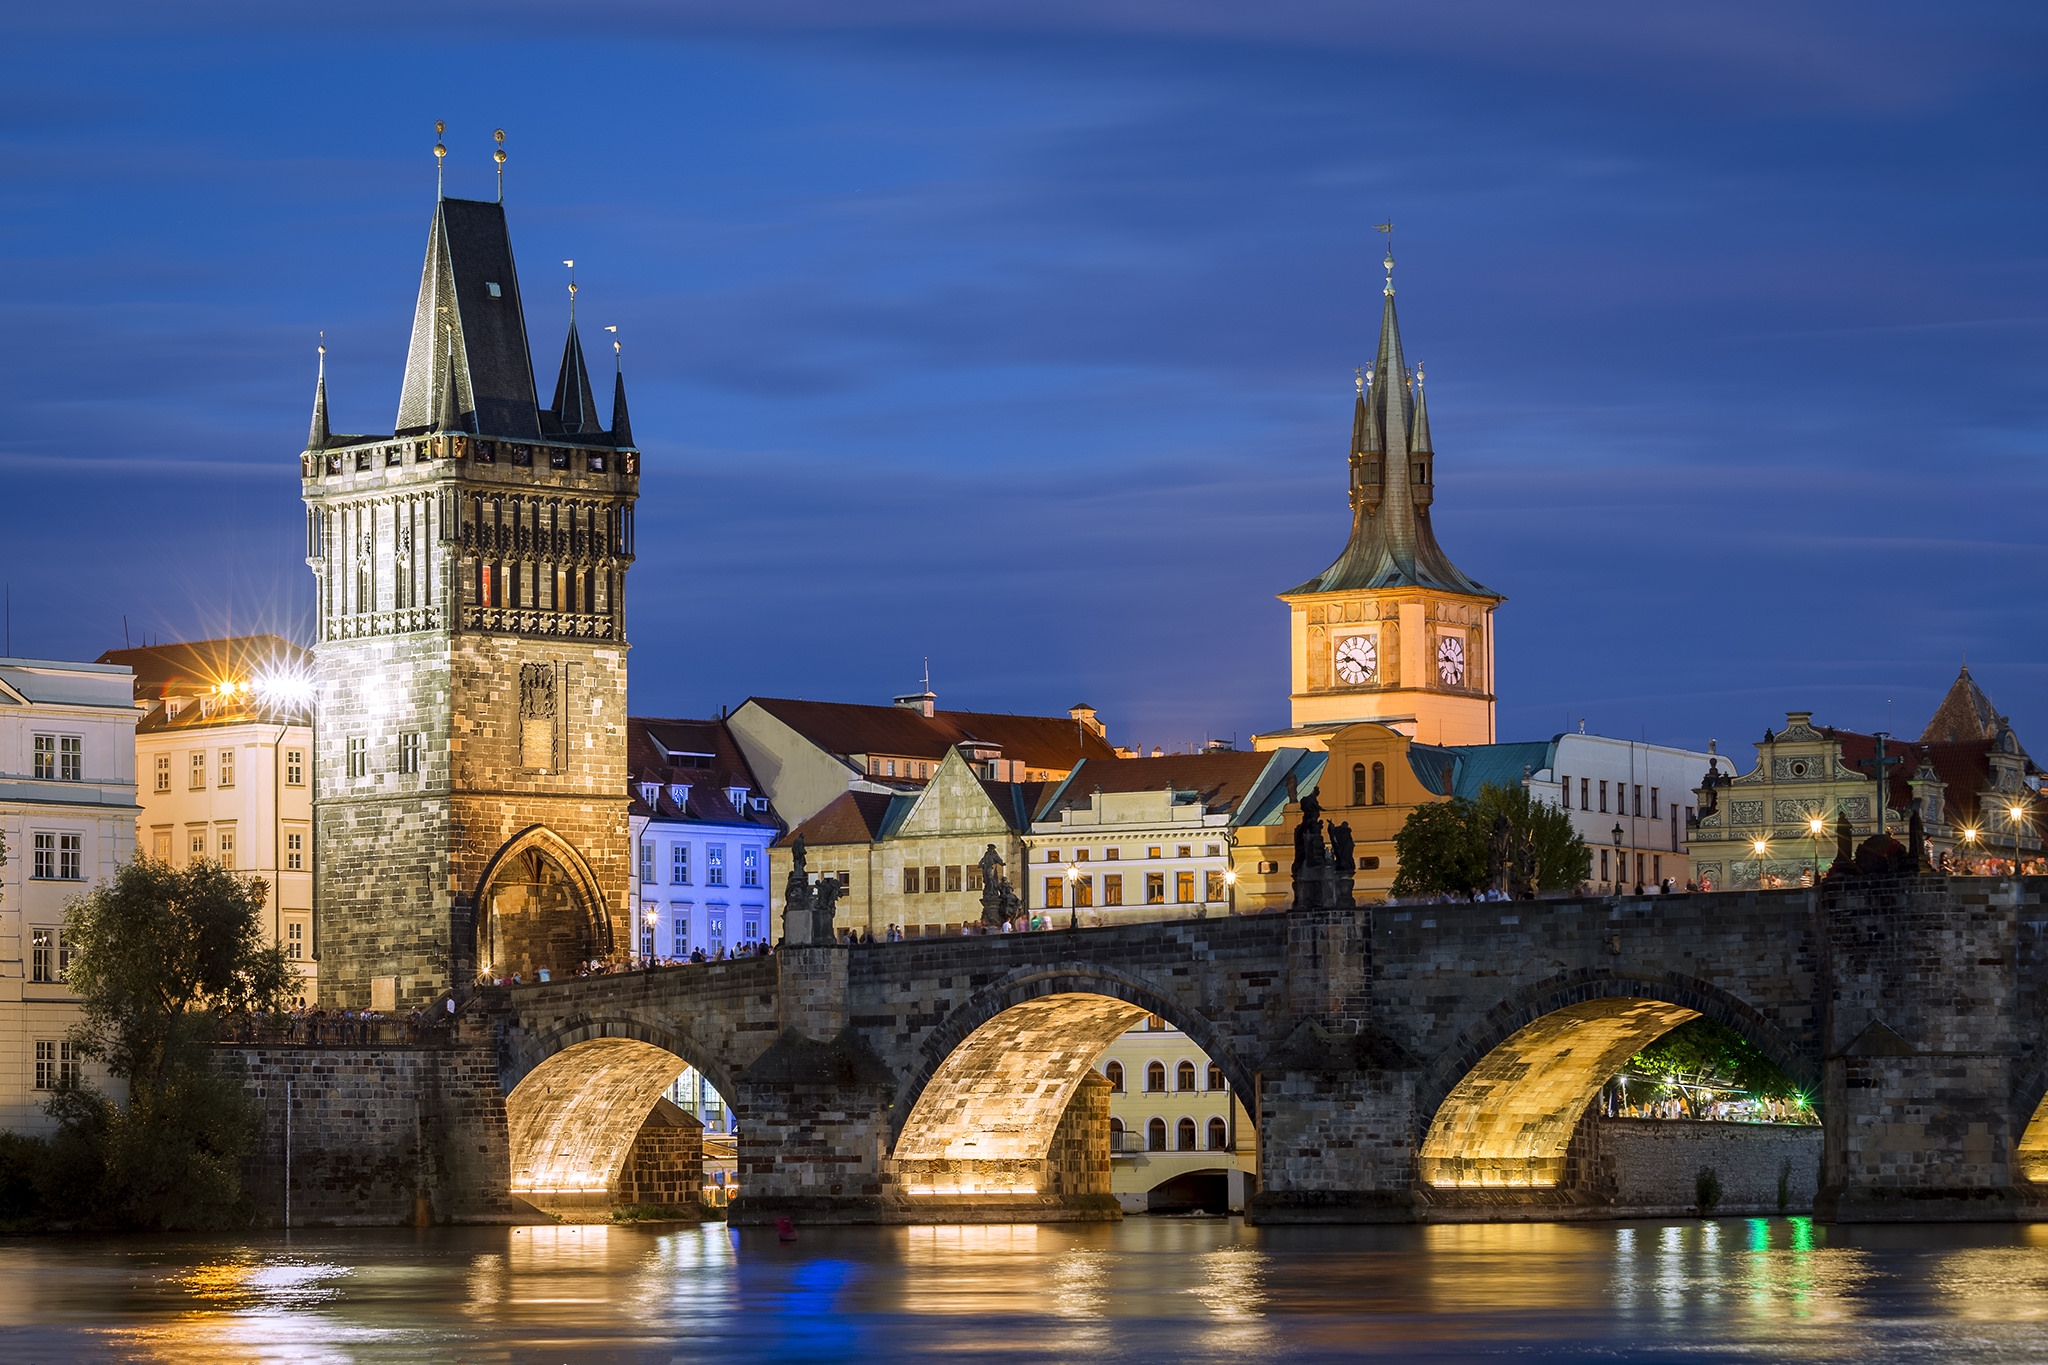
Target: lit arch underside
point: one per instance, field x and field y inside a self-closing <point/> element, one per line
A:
<point x="574" y="1117"/>
<point x="985" y="1121"/>
<point x="1508" y="1123"/>
<point x="2032" y="1155"/>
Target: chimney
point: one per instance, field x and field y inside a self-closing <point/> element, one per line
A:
<point x="1158" y="752"/>
<point x="1084" y="713"/>
<point x="925" y="703"/>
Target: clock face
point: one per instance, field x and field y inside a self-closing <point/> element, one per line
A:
<point x="1358" y="659"/>
<point x="1450" y="661"/>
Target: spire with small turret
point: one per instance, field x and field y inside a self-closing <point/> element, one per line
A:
<point x="622" y="425"/>
<point x="317" y="435"/>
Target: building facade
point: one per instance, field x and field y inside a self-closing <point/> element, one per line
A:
<point x="1631" y="801"/>
<point x="223" y="756"/>
<point x="67" y="820"/>
<point x="1392" y="631"/>
<point x="702" y="831"/>
<point x="470" y="794"/>
<point x="1178" y="1137"/>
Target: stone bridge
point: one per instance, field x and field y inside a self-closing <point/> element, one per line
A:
<point x="1401" y="1063"/>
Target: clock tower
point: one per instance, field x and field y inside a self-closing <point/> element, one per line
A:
<point x="1391" y="632"/>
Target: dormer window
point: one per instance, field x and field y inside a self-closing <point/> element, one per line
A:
<point x="679" y="792"/>
<point x="491" y="288"/>
<point x="647" y="792"/>
<point x="738" y="797"/>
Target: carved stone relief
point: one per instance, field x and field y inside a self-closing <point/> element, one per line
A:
<point x="537" y="708"/>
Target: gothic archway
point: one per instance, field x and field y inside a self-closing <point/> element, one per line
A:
<point x="539" y="906"/>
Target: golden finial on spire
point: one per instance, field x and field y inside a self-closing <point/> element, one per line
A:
<point x="1418" y="375"/>
<point x="1361" y="381"/>
<point x="440" y="155"/>
<point x="499" y="157"/>
<point x="616" y="358"/>
<point x="572" y="291"/>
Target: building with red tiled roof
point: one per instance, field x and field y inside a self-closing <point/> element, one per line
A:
<point x="809" y="752"/>
<point x="701" y="828"/>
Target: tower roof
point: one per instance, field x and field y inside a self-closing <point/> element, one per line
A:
<point x="1392" y="544"/>
<point x="622" y="425"/>
<point x="1964" y="714"/>
<point x="575" y="408"/>
<point x="318" y="434"/>
<point x="468" y="323"/>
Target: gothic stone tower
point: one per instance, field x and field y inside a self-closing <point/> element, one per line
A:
<point x="1392" y="632"/>
<point x="470" y="747"/>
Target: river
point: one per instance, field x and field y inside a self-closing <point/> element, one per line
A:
<point x="1146" y="1289"/>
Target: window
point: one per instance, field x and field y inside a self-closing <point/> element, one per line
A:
<point x="953" y="877"/>
<point x="195" y="778"/>
<point x="1116" y="1135"/>
<point x="409" y="752"/>
<point x="1564" y="790"/>
<point x="714" y="929"/>
<point x="46" y="857"/>
<point x="227" y="848"/>
<point x="1215" y="851"/>
<point x="1639" y="800"/>
<point x="1184" y="1135"/>
<point x="1184" y="1076"/>
<point x="358" y="756"/>
<point x="1184" y="888"/>
<point x="295" y="940"/>
<point x="679" y="937"/>
<point x="46" y="758"/>
<point x="1055" y="893"/>
<point x="1111" y="855"/>
<point x="1155" y="1078"/>
<point x="160" y="845"/>
<point x="1653" y="804"/>
<point x="679" y="864"/>
<point x="714" y="864"/>
<point x="1080" y="855"/>
<point x="1113" y="888"/>
<point x="163" y="772"/>
<point x="750" y="867"/>
<point x="973" y="871"/>
<point x="1052" y="855"/>
<point x="912" y="883"/>
<point x="49" y="956"/>
<point x="1358" y="784"/>
<point x="890" y="768"/>
<point x="1603" y="798"/>
<point x="1585" y="786"/>
<point x="1184" y="850"/>
<point x="1639" y="869"/>
<point x="56" y="1064"/>
<point x="1084" y="893"/>
<point x="1213" y="892"/>
<point x="295" y="852"/>
<point x="1114" y="1074"/>
<point x="1219" y="1135"/>
<point x="195" y="843"/>
<point x="59" y="857"/>
<point x="1657" y="868"/>
<point x="1155" y="1136"/>
<point x="227" y="767"/>
<point x="1216" y="1077"/>
<point x="1151" y="850"/>
<point x="646" y="861"/>
<point x="1155" y="888"/>
<point x="1603" y="865"/>
<point x="295" y="767"/>
<point x="1379" y="784"/>
<point x="932" y="880"/>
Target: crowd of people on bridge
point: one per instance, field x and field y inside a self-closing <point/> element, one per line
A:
<point x="302" y="1026"/>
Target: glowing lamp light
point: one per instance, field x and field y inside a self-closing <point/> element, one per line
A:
<point x="1758" y="847"/>
<point x="1817" y="825"/>
<point x="283" y="689"/>
<point x="1230" y="876"/>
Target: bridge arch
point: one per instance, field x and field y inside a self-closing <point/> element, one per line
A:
<point x="997" y="1075"/>
<point x="2030" y="1127"/>
<point x="1500" y="1108"/>
<point x="579" y="1098"/>
<point x="539" y="904"/>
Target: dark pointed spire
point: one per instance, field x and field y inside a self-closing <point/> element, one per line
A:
<point x="469" y="299"/>
<point x="451" y="406"/>
<point x="316" y="437"/>
<point x="1418" y="440"/>
<point x="575" y="407"/>
<point x="1392" y="543"/>
<point x="622" y="425"/>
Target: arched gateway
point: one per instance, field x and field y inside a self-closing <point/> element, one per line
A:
<point x="540" y="906"/>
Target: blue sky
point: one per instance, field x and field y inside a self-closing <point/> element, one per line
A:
<point x="1025" y="342"/>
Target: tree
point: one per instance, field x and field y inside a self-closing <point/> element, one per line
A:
<point x="1442" y="846"/>
<point x="1442" y="850"/>
<point x="159" y="955"/>
<point x="1700" y="1053"/>
<point x="1561" y="859"/>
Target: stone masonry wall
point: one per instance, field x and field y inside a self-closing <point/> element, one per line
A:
<point x="665" y="1165"/>
<point x="373" y="1127"/>
<point x="1078" y="1161"/>
<point x="1653" y="1164"/>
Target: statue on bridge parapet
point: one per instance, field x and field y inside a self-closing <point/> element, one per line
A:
<point x="798" y="919"/>
<point x="1314" y="876"/>
<point x="999" y="902"/>
<point x="1343" y="864"/>
<point x="825" y="910"/>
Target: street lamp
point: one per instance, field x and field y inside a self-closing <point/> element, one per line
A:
<point x="1970" y="838"/>
<point x="1230" y="881"/>
<point x="1617" y="858"/>
<point x="1759" y="847"/>
<point x="2018" y="813"/>
<point x="653" y="920"/>
<point x="1814" y="826"/>
<point x="1073" y="907"/>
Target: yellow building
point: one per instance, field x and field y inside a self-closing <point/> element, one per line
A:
<point x="1391" y="632"/>
<point x="1179" y="1139"/>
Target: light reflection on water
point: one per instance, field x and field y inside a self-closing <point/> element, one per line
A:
<point x="1148" y="1289"/>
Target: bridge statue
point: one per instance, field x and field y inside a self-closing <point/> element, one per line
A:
<point x="797" y="924"/>
<point x="1312" y="871"/>
<point x="1342" y="861"/>
<point x="999" y="902"/>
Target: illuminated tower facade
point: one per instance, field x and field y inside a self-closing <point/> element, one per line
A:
<point x="470" y="802"/>
<point x="1392" y="631"/>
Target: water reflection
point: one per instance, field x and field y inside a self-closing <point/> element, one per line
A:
<point x="1147" y="1289"/>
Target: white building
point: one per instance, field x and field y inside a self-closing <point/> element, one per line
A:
<point x="701" y="831"/>
<point x="1644" y="790"/>
<point x="67" y="814"/>
<point x="224" y="755"/>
